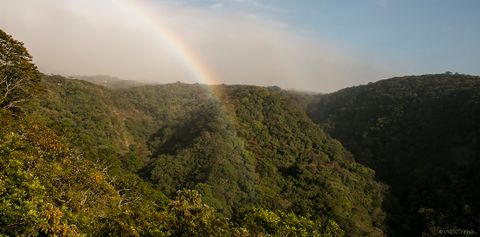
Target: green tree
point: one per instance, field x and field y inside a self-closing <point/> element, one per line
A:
<point x="19" y="77"/>
<point x="262" y="222"/>
<point x="187" y="215"/>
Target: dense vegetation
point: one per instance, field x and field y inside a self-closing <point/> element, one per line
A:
<point x="172" y="160"/>
<point x="421" y="135"/>
<point x="237" y="154"/>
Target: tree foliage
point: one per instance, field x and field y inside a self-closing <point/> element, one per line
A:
<point x="18" y="75"/>
<point x="262" y="222"/>
<point x="421" y="135"/>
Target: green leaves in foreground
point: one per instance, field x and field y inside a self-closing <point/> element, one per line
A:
<point x="19" y="77"/>
<point x="261" y="221"/>
<point x="187" y="215"/>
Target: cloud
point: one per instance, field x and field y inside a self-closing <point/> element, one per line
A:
<point x="104" y="37"/>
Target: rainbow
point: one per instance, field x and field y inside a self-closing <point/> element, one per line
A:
<point x="183" y="53"/>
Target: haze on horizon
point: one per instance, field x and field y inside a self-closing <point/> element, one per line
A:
<point x="307" y="45"/>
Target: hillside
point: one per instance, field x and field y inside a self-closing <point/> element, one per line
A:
<point x="421" y="136"/>
<point x="245" y="147"/>
<point x="109" y="81"/>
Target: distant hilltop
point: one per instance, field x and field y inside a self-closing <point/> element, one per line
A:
<point x="111" y="82"/>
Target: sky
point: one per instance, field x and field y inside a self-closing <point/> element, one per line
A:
<point x="311" y="45"/>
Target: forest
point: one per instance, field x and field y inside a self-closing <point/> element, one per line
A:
<point x="421" y="136"/>
<point x="90" y="156"/>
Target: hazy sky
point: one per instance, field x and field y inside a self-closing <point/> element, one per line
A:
<point x="310" y="45"/>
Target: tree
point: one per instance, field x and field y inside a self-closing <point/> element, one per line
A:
<point x="187" y="215"/>
<point x="263" y="222"/>
<point x="19" y="77"/>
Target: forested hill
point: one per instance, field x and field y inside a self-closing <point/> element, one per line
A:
<point x="109" y="81"/>
<point x="251" y="147"/>
<point x="421" y="136"/>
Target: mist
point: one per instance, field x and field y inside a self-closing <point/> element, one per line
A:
<point x="103" y="37"/>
